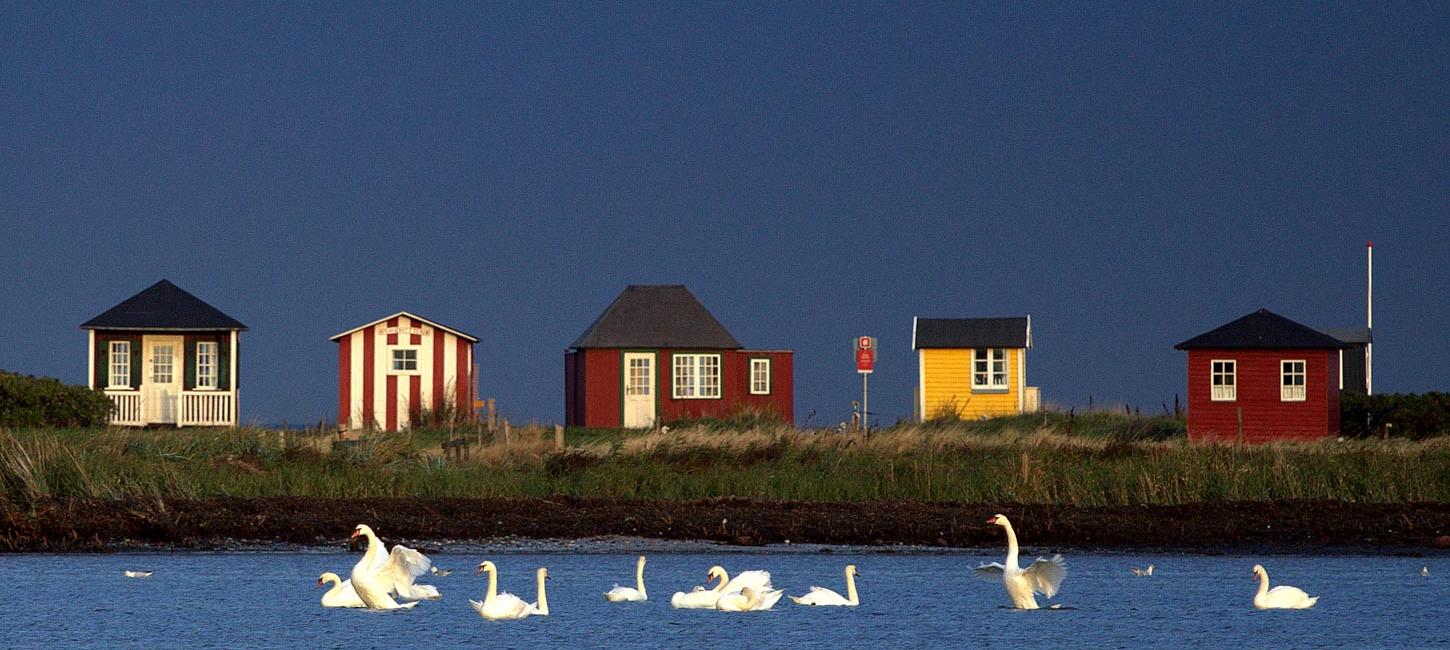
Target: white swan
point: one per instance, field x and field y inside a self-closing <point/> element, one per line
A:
<point x="1281" y="597"/>
<point x="541" y="606"/>
<point x="820" y="596"/>
<point x="630" y="594"/>
<point x="502" y="606"/>
<point x="1044" y="576"/>
<point x="136" y="574"/>
<point x="1142" y="573"/>
<point x="341" y="594"/>
<point x="1425" y="571"/>
<point x="745" y="600"/>
<point x="700" y="597"/>
<point x="379" y="574"/>
<point x="758" y="581"/>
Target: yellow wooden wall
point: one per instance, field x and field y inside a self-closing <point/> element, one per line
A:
<point x="946" y="378"/>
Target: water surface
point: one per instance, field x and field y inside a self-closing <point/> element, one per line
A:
<point x="264" y="600"/>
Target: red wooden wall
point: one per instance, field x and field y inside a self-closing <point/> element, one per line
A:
<point x="593" y="379"/>
<point x="1266" y="416"/>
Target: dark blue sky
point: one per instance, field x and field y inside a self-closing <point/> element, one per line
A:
<point x="1129" y="176"/>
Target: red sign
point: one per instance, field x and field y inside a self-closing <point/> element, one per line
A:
<point x="865" y="354"/>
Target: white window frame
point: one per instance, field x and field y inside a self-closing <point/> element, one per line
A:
<point x="206" y="365"/>
<point x="156" y="365"/>
<point x="760" y="376"/>
<point x="690" y="379"/>
<point x="393" y="359"/>
<point x="993" y="369"/>
<point x="1224" y="391"/>
<point x="645" y="387"/>
<point x="1291" y="392"/>
<point x="120" y="364"/>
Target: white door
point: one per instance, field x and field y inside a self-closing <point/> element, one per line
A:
<point x="161" y="383"/>
<point x="639" y="389"/>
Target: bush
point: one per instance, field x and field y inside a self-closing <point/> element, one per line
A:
<point x="1408" y="415"/>
<point x="27" y="401"/>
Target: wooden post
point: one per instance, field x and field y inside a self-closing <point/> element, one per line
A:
<point x="492" y="417"/>
<point x="507" y="432"/>
<point x="558" y="436"/>
<point x="1241" y="427"/>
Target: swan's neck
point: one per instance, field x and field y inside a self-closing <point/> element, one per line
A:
<point x="724" y="580"/>
<point x="335" y="581"/>
<point x="492" y="589"/>
<point x="639" y="579"/>
<point x="374" y="555"/>
<point x="1263" y="583"/>
<point x="1011" y="546"/>
<point x="543" y="605"/>
<point x="851" y="589"/>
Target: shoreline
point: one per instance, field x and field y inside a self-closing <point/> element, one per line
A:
<point x="563" y="524"/>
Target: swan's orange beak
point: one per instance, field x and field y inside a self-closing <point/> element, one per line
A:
<point x="354" y="534"/>
<point x="992" y="520"/>
<point x="319" y="582"/>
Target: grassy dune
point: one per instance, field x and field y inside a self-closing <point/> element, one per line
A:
<point x="1105" y="459"/>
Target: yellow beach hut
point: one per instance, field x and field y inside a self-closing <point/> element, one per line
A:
<point x="972" y="367"/>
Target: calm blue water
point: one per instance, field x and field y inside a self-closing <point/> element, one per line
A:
<point x="254" y="600"/>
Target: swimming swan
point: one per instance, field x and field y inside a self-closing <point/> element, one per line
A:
<point x="745" y="600"/>
<point x="630" y="594"/>
<point x="1043" y="576"/>
<point x="341" y="594"/>
<point x="700" y="597"/>
<point x="820" y="596"/>
<point x="1142" y="573"/>
<point x="379" y="574"/>
<point x="502" y="606"/>
<point x="1281" y="597"/>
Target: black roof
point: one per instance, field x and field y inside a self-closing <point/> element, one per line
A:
<point x="1263" y="329"/>
<point x="1014" y="332"/>
<point x="656" y="316"/>
<point x="163" y="306"/>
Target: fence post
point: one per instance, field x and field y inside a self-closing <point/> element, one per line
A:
<point x="1241" y="427"/>
<point x="507" y="432"/>
<point x="558" y="436"/>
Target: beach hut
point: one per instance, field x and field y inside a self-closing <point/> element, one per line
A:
<point x="972" y="367"/>
<point x="165" y="357"/>
<point x="657" y="355"/>
<point x="1264" y="375"/>
<point x="401" y="369"/>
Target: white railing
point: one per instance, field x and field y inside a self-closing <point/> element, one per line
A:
<point x="207" y="408"/>
<point x="128" y="407"/>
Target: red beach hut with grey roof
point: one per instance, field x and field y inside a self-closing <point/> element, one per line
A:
<point x="657" y="355"/>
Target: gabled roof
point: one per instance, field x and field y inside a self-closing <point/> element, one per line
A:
<point x="163" y="306"/>
<point x="1013" y="332"/>
<point x="1350" y="334"/>
<point x="656" y="316"/>
<point x="411" y="316"/>
<point x="1263" y="329"/>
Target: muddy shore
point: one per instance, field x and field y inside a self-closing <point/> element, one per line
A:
<point x="85" y="525"/>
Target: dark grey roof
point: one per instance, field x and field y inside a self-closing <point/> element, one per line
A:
<point x="656" y="316"/>
<point x="1015" y="332"/>
<point x="1263" y="329"/>
<point x="1350" y="334"/>
<point x="163" y="306"/>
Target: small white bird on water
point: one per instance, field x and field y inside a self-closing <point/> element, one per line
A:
<point x="1142" y="573"/>
<point x="1425" y="571"/>
<point x="442" y="573"/>
<point x="136" y="574"/>
<point x="1042" y="576"/>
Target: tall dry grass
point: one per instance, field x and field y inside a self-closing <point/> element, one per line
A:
<point x="1027" y="460"/>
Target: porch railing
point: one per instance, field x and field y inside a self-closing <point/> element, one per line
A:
<point x="207" y="408"/>
<point x="128" y="407"/>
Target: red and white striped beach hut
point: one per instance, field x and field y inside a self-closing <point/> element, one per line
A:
<point x="393" y="369"/>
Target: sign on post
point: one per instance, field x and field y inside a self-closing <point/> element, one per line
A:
<point x="865" y="364"/>
<point x="865" y="354"/>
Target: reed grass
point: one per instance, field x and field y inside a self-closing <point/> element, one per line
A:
<point x="1024" y="459"/>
